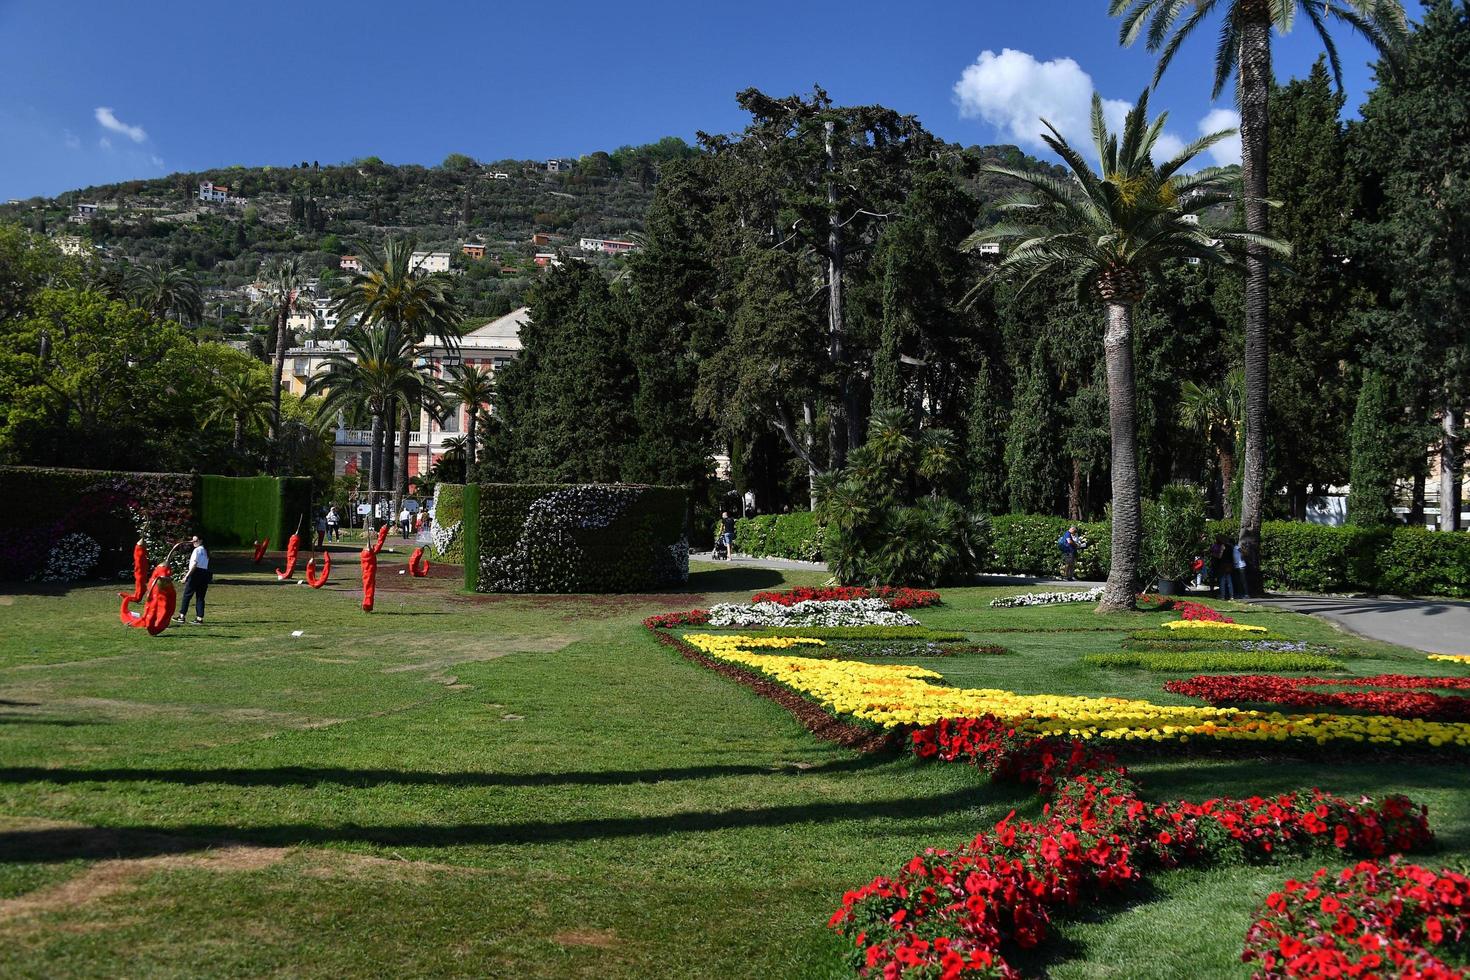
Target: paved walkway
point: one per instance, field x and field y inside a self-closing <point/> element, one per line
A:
<point x="1431" y="625"/>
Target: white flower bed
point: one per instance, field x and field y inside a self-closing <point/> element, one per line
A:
<point x="1046" y="598"/>
<point x="842" y="612"/>
<point x="71" y="558"/>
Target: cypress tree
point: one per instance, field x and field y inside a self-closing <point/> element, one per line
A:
<point x="1033" y="440"/>
<point x="1374" y="450"/>
<point x="986" y="442"/>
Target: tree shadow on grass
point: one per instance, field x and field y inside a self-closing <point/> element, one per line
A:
<point x="735" y="579"/>
<point x="306" y="776"/>
<point x="92" y="843"/>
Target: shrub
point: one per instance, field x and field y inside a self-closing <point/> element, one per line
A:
<point x="796" y="536"/>
<point x="1173" y="531"/>
<point x="575" y="538"/>
<point x="1419" y="562"/>
<point x="1188" y="661"/>
<point x="1026" y="544"/>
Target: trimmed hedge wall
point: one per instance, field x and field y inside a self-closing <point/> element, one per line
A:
<point x="796" y="536"/>
<point x="235" y="511"/>
<point x="1026" y="544"/>
<point x="576" y="538"/>
<point x="448" y="527"/>
<point x="110" y="507"/>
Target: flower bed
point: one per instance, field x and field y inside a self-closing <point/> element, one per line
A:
<point x="893" y="695"/>
<point x="863" y="633"/>
<point x="1454" y="658"/>
<point x="900" y="597"/>
<point x="1219" y="623"/>
<point x="1171" y="661"/>
<point x="665" y="621"/>
<point x="1176" y="645"/>
<point x="834" y="612"/>
<point x="1373" y="919"/>
<point x="1046" y="598"/>
<point x="957" y="913"/>
<point x="1375" y="694"/>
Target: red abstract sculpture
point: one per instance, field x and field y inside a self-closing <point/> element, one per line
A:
<point x="382" y="536"/>
<point x="418" y="565"/>
<point x="260" y="547"/>
<point x="293" y="548"/>
<point x="312" y="579"/>
<point x="140" y="574"/>
<point x="369" y="559"/>
<point x="158" y="607"/>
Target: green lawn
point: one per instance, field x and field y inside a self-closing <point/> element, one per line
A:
<point x="532" y="786"/>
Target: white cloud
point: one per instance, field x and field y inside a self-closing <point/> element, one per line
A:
<point x="110" y="122"/>
<point x="105" y="143"/>
<point x="1227" y="151"/>
<point x="156" y="160"/>
<point x="1167" y="147"/>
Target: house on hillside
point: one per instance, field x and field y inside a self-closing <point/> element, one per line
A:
<point x="490" y="347"/>
<point x="498" y="175"/>
<point x="82" y="214"/>
<point x="608" y="246"/>
<point x="546" y="259"/>
<point x="556" y="166"/>
<point x="544" y="239"/>
<point x="430" y="261"/>
<point x="473" y="250"/>
<point x="350" y="263"/>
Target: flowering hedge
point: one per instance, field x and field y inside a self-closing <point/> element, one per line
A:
<point x="576" y="538"/>
<point x="1046" y="598"/>
<point x="65" y="509"/>
<point x="1454" y="658"/>
<point x="952" y="913"/>
<point x="1171" y="661"/>
<point x="1211" y="627"/>
<point x="1383" y="694"/>
<point x="811" y="612"/>
<point x="1373" y="919"/>
<point x="895" y="695"/>
<point x="446" y="527"/>
<point x="897" y="597"/>
<point x="665" y="621"/>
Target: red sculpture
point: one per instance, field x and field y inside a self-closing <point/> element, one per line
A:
<point x="369" y="559"/>
<point x="418" y="565"/>
<point x="158" y="606"/>
<point x="382" y="536"/>
<point x="140" y="574"/>
<point x="312" y="579"/>
<point x="293" y="548"/>
<point x="260" y="547"/>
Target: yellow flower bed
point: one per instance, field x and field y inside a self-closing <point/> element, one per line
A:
<point x="1454" y="658"/>
<point x="889" y="695"/>
<point x="1209" y="624"/>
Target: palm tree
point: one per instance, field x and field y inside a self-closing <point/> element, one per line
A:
<point x="285" y="281"/>
<point x="473" y="387"/>
<point x="1215" y="413"/>
<point x="1244" y="50"/>
<point x="244" y="400"/>
<point x="1107" y="232"/>
<point x="375" y="370"/>
<point x="166" y="293"/>
<point x="391" y="289"/>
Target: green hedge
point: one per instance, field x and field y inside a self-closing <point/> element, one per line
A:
<point x="579" y="538"/>
<point x="1026" y="544"/>
<point x="236" y="511"/>
<point x="112" y="508"/>
<point x="796" y="536"/>
<point x="1186" y="662"/>
<point x="449" y="523"/>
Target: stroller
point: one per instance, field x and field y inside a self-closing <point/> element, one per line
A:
<point x="721" y="551"/>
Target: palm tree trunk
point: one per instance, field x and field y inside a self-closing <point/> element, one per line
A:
<point x="404" y="428"/>
<point x="1074" y="492"/>
<point x="1254" y="88"/>
<point x="471" y="429"/>
<point x="1227" y="482"/>
<point x="389" y="469"/>
<point x="809" y="417"/>
<point x="237" y="445"/>
<point x="278" y="372"/>
<point x="375" y="456"/>
<point x="1121" y="592"/>
<point x="1449" y="468"/>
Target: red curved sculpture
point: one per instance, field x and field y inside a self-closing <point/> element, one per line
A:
<point x="369" y="560"/>
<point x="418" y="565"/>
<point x="140" y="574"/>
<point x="293" y="548"/>
<point x="312" y="579"/>
<point x="158" y="606"/>
<point x="260" y="547"/>
<point x="382" y="536"/>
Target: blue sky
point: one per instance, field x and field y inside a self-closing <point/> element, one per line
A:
<point x="103" y="91"/>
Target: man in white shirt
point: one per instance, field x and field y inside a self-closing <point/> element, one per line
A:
<point x="196" y="582"/>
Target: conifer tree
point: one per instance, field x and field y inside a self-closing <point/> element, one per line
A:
<point x="1033" y="441"/>
<point x="1375" y="436"/>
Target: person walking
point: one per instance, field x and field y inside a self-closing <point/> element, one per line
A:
<point x="727" y="534"/>
<point x="1221" y="566"/>
<point x="1069" y="543"/>
<point x="333" y="520"/>
<point x="1238" y="556"/>
<point x="196" y="582"/>
<point x="405" y="522"/>
<point x="749" y="502"/>
<point x="321" y="529"/>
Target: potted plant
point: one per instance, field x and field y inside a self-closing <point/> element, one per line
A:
<point x="1173" y="532"/>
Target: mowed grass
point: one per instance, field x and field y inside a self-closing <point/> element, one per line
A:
<point x="533" y="786"/>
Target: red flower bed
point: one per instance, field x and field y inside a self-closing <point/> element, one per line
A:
<point x="1295" y="692"/>
<point x="665" y="621"/>
<point x="954" y="913"/>
<point x="1195" y="610"/>
<point x="1371" y="920"/>
<point x="897" y="597"/>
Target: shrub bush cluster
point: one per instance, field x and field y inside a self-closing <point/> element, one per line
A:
<point x="1188" y="660"/>
<point x="796" y="536"/>
<point x="1026" y="544"/>
<point x="575" y="538"/>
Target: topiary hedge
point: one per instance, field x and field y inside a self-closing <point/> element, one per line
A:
<point x="75" y="524"/>
<point x="1026" y="544"/>
<point x="576" y="538"/>
<point x="447" y="528"/>
<point x="236" y="511"/>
